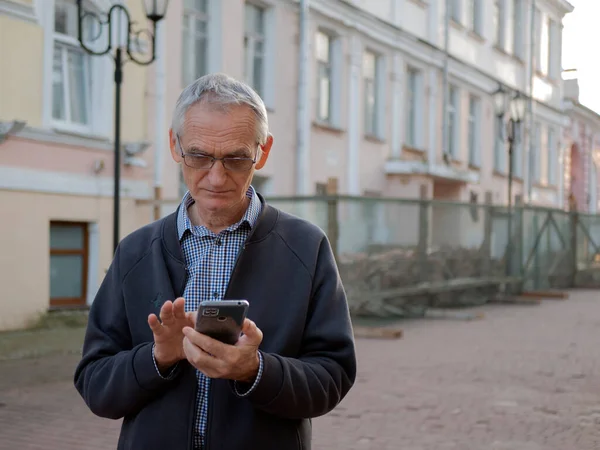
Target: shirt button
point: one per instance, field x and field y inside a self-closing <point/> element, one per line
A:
<point x="215" y="294"/>
<point x="218" y="242"/>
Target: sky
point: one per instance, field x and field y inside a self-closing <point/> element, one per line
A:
<point x="581" y="39"/>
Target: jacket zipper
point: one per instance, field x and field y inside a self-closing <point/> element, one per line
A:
<point x="210" y="389"/>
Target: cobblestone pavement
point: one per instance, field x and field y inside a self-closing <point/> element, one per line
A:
<point x="523" y="378"/>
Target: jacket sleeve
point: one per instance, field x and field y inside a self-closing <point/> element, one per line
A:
<point x="314" y="383"/>
<point x="115" y="378"/>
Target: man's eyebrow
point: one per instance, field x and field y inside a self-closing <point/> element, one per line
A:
<point x="240" y="152"/>
<point x="195" y="149"/>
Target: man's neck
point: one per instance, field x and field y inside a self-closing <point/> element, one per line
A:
<point x="217" y="222"/>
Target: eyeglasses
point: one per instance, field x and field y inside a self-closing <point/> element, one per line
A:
<point x="206" y="162"/>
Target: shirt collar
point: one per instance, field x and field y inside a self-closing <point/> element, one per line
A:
<point x="250" y="216"/>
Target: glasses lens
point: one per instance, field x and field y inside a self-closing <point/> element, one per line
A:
<point x="198" y="162"/>
<point x="238" y="164"/>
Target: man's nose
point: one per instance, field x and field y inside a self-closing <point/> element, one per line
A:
<point x="217" y="175"/>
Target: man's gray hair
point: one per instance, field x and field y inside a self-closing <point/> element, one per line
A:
<point x="220" y="90"/>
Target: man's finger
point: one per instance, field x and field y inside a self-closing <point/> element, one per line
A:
<point x="155" y="325"/>
<point x="166" y="313"/>
<point x="179" y="308"/>
<point x="206" y="343"/>
<point x="205" y="363"/>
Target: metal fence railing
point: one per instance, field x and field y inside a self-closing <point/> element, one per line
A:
<point x="389" y="243"/>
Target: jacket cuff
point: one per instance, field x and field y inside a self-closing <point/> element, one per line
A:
<point x="267" y="388"/>
<point x="145" y="369"/>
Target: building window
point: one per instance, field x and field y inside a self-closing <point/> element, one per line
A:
<point x="474" y="131"/>
<point x="536" y="154"/>
<point x="554" y="50"/>
<point x="453" y="121"/>
<point x="195" y="40"/>
<point x="324" y="76"/>
<point x="455" y="10"/>
<point x="475" y="16"/>
<point x="71" y="70"/>
<point x="544" y="47"/>
<point x="499" y="19"/>
<point x="68" y="263"/>
<point x="518" y="29"/>
<point x="413" y="85"/>
<point x="254" y="47"/>
<point x="371" y="91"/>
<point x="552" y="158"/>
<point x="499" y="146"/>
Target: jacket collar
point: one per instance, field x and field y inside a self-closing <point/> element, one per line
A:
<point x="264" y="225"/>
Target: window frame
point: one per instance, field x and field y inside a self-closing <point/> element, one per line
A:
<point x="474" y="130"/>
<point x="453" y="111"/>
<point x="324" y="68"/>
<point x="67" y="43"/>
<point x="251" y="37"/>
<point x="59" y="302"/>
<point x="188" y="18"/>
<point x="412" y="137"/>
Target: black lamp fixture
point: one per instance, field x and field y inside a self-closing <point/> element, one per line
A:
<point x="125" y="50"/>
<point x="513" y="103"/>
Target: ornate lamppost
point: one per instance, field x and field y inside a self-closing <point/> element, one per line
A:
<point x="115" y="21"/>
<point x="514" y="104"/>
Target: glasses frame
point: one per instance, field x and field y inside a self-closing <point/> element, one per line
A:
<point x="214" y="159"/>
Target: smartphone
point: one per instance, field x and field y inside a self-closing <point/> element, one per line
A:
<point x="222" y="319"/>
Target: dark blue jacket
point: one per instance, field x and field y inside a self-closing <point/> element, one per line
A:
<point x="287" y="272"/>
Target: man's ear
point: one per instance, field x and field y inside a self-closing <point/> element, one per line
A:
<point x="265" y="150"/>
<point x="175" y="151"/>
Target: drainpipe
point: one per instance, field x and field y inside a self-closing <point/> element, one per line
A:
<point x="303" y="118"/>
<point x="529" y="123"/>
<point x="445" y="79"/>
<point x="160" y="137"/>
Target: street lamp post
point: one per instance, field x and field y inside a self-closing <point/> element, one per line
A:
<point x="515" y="106"/>
<point x="123" y="52"/>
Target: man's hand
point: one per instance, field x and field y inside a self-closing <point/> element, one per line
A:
<point x="218" y="360"/>
<point x="168" y="335"/>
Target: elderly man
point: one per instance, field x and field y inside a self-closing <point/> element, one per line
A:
<point x="176" y="388"/>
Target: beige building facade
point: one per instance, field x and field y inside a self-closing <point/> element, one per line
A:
<point x="361" y="91"/>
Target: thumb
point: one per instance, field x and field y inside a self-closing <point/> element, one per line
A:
<point x="252" y="332"/>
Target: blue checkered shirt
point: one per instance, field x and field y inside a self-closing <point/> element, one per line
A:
<point x="209" y="260"/>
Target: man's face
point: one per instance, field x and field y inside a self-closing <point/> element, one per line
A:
<point x="209" y="131"/>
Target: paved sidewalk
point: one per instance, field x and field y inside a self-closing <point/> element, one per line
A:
<point x="523" y="378"/>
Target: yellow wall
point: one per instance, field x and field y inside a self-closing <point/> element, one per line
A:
<point x="24" y="242"/>
<point x="21" y="69"/>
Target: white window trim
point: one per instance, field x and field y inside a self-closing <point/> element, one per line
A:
<point x="102" y="92"/>
<point x="270" y="52"/>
